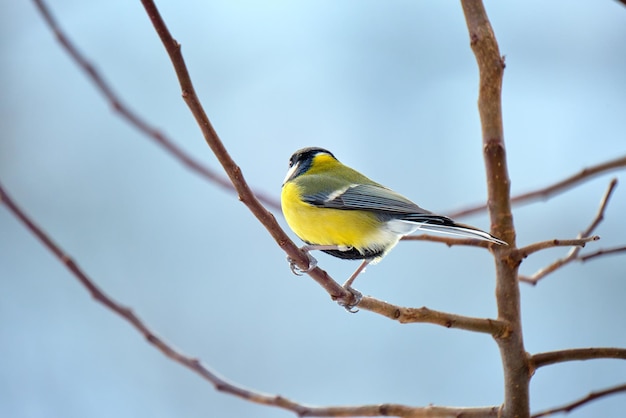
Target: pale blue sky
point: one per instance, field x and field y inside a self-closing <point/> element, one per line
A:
<point x="390" y="87"/>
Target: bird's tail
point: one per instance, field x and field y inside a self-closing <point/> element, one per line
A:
<point x="461" y="230"/>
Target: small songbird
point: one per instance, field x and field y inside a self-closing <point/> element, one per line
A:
<point x="338" y="210"/>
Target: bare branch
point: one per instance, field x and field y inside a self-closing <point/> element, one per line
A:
<point x="173" y="48"/>
<point x="573" y="253"/>
<point x="233" y="171"/>
<point x="574" y="354"/>
<point x="401" y="314"/>
<point x="395" y="410"/>
<point x="491" y="70"/>
<point x="552" y="190"/>
<point x="126" y="313"/>
<point x="582" y="401"/>
<point x="133" y="118"/>
<point x="220" y="384"/>
<point x="600" y="214"/>
<point x="497" y="328"/>
<point x="602" y="252"/>
<point x="538" y="246"/>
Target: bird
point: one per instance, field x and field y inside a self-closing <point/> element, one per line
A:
<point x="335" y="209"/>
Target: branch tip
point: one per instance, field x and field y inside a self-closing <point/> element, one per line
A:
<point x="584" y="237"/>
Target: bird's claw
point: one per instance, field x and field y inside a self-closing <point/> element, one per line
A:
<point x="297" y="270"/>
<point x="357" y="297"/>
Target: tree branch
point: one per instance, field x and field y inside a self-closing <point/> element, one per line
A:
<point x="582" y="401"/>
<point x="600" y="214"/>
<point x="491" y="70"/>
<point x="220" y="384"/>
<point x="552" y="190"/>
<point x="574" y="354"/>
<point x="496" y="328"/>
<point x="133" y="118"/>
<point x="233" y="171"/>
<point x="602" y="252"/>
<point x="127" y="314"/>
<point x="543" y="245"/>
<point x="573" y="253"/>
<point x="236" y="181"/>
<point x="395" y="410"/>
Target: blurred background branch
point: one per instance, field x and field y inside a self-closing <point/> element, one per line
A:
<point x="226" y="386"/>
<point x="127" y="314"/>
<point x="567" y="408"/>
<point x="547" y="192"/>
<point x="132" y="117"/>
<point x="573" y="254"/>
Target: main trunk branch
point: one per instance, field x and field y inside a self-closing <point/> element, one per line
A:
<point x="491" y="70"/>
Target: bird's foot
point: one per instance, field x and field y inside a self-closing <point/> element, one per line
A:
<point x="354" y="302"/>
<point x="297" y="270"/>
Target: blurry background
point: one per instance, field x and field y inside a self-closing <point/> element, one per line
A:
<point x="389" y="87"/>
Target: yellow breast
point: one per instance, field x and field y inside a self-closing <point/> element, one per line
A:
<point x="321" y="226"/>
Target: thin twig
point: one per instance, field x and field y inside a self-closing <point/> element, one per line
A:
<point x="582" y="401"/>
<point x="603" y="203"/>
<point x="573" y="253"/>
<point x="133" y="118"/>
<point x="576" y="354"/>
<point x="538" y="246"/>
<point x="552" y="190"/>
<point x="220" y="384"/>
<point x="601" y="252"/>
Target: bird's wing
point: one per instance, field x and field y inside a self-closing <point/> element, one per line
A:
<point x="372" y="198"/>
<point x="392" y="206"/>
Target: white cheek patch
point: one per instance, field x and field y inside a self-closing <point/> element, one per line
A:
<point x="292" y="170"/>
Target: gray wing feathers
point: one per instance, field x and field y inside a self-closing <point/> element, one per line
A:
<point x="366" y="197"/>
<point x="390" y="205"/>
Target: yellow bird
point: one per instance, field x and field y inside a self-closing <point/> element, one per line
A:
<point x="339" y="211"/>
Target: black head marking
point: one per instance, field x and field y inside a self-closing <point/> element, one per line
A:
<point x="305" y="155"/>
<point x="301" y="161"/>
